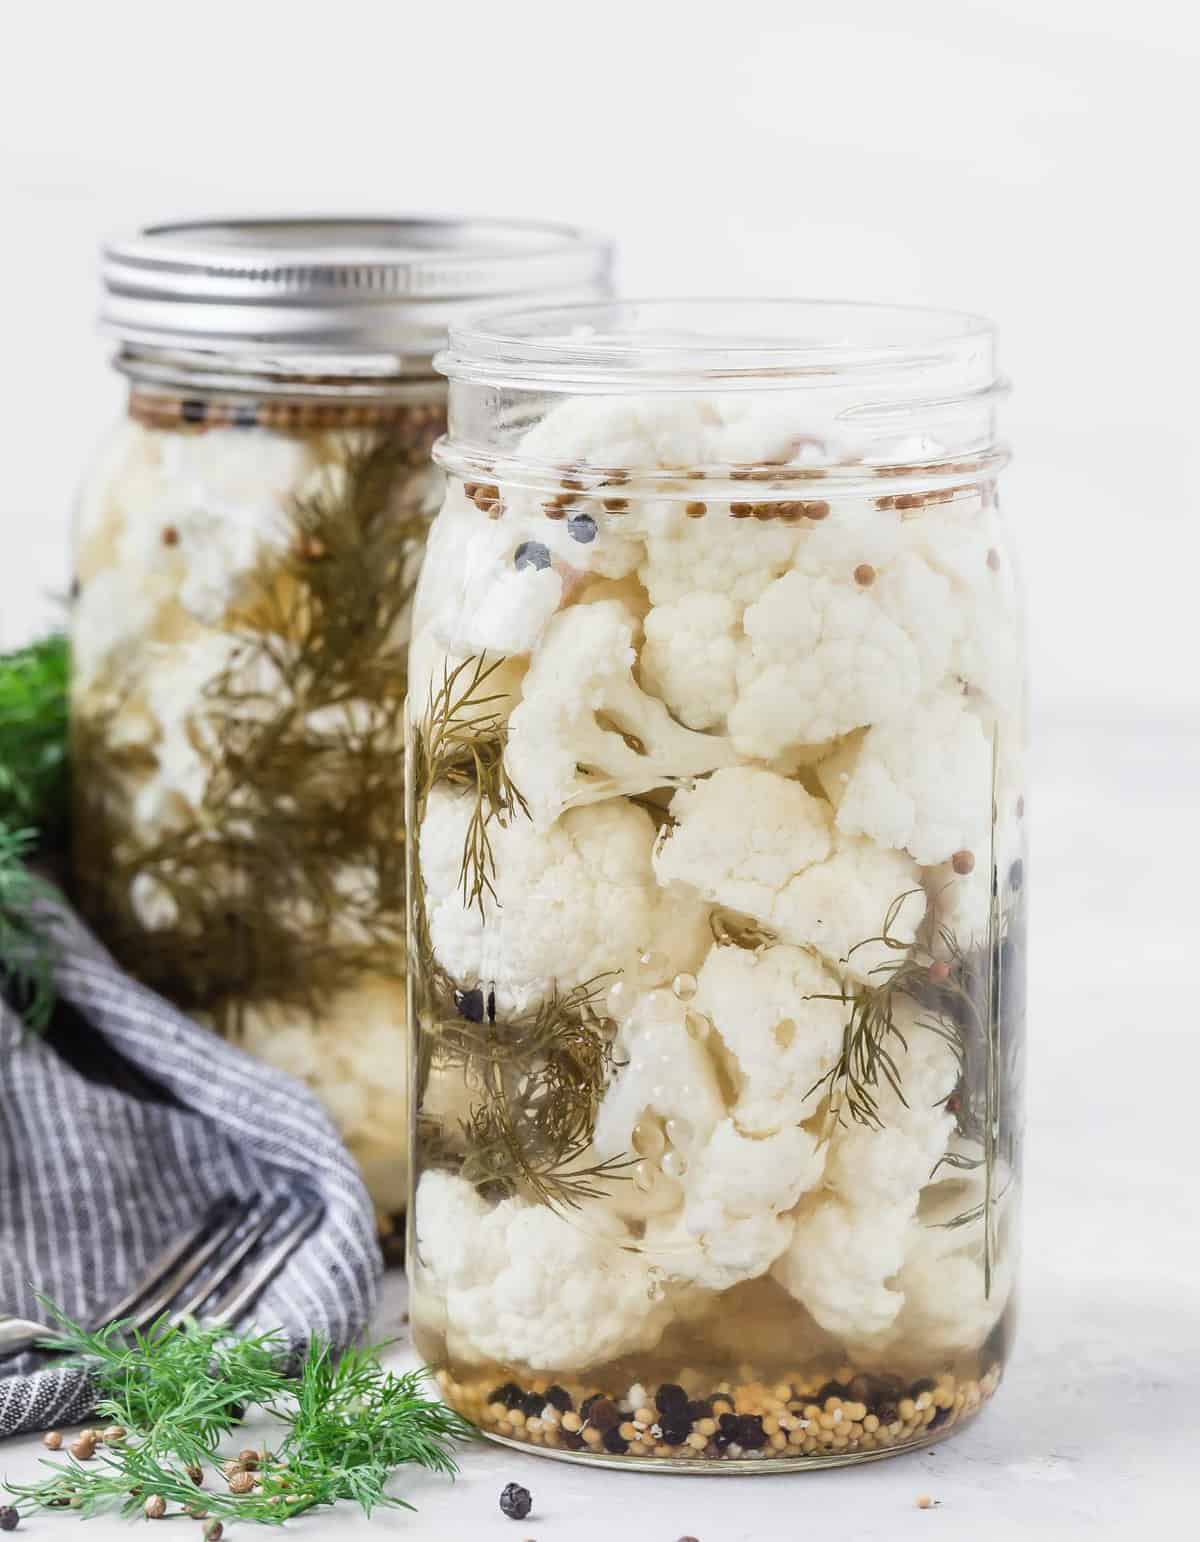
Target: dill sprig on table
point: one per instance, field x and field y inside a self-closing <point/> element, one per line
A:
<point x="178" y="1390"/>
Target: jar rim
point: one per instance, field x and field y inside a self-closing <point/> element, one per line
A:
<point x="736" y="343"/>
<point x="358" y="287"/>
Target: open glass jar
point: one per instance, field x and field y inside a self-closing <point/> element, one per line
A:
<point x="247" y="545"/>
<point x="716" y="876"/>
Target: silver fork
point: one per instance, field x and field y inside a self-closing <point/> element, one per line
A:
<point x="179" y="1283"/>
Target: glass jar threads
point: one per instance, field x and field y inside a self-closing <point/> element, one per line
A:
<point x="717" y="900"/>
<point x="247" y="544"/>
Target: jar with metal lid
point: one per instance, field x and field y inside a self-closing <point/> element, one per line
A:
<point x="246" y="548"/>
<point x="716" y="808"/>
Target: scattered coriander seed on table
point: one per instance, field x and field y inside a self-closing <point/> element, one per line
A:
<point x="155" y="1507"/>
<point x="52" y="1440"/>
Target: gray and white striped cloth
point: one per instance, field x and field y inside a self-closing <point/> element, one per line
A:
<point x="117" y="1133"/>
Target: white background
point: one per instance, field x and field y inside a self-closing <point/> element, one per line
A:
<point x="1035" y="160"/>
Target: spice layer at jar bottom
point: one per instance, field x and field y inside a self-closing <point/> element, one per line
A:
<point x="770" y="1417"/>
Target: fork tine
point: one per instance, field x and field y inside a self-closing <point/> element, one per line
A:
<point x="228" y="1265"/>
<point x="242" y="1296"/>
<point x="163" y="1263"/>
<point x="187" y="1272"/>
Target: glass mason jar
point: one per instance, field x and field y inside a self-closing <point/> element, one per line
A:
<point x="716" y="876"/>
<point x="247" y="545"/>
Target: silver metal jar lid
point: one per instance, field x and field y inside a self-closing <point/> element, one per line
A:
<point x="347" y="286"/>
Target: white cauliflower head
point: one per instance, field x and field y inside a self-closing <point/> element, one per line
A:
<point x="824" y="656"/>
<point x="761" y="844"/>
<point x="585" y="730"/>
<point x="782" y="1040"/>
<point x="663" y="1072"/>
<point x="522" y="1284"/>
<point x="572" y="903"/>
<point x="734" y="1222"/>
<point x="923" y="783"/>
<point x="740" y="835"/>
<point x="690" y="656"/>
<point x="851" y="1239"/>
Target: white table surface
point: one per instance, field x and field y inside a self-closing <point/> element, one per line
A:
<point x="1094" y="1432"/>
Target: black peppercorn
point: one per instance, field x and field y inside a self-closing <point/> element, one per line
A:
<point x="615" y="1442"/>
<point x="516" y="1502"/>
<point x="670" y="1396"/>
<point x="582" y="528"/>
<point x="832" y="1389"/>
<point x="531" y="554"/>
<point x="604" y="1414"/>
<point x="750" y="1433"/>
<point x="470" y="1005"/>
<point x="700" y="1408"/>
<point x="887" y="1413"/>
<point x="558" y="1397"/>
<point x="675" y="1428"/>
<point x="532" y="1404"/>
<point x="924" y="1385"/>
<point x="939" y="1418"/>
<point x="509" y="1394"/>
<point x="585" y="1408"/>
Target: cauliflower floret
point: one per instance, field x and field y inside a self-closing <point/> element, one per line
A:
<point x="839" y="1262"/>
<point x="664" y="1072"/>
<point x="782" y="1039"/>
<point x="839" y="907"/>
<point x="354" y="1058"/>
<point x="690" y="658"/>
<point x="525" y="1285"/>
<point x="824" y="656"/>
<point x="585" y="730"/>
<point x="850" y="1241"/>
<point x="923" y="783"/>
<point x="740" y="836"/>
<point x="224" y="495"/>
<point x="946" y="1304"/>
<point x="618" y="432"/>
<point x="572" y="903"/>
<point x="733" y="1225"/>
<point x="751" y="840"/>
<point x="717" y="554"/>
<point x="484" y="588"/>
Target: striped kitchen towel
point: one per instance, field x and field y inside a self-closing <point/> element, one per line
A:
<point x="118" y="1131"/>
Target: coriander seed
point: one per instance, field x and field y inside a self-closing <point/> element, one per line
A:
<point x="155" y="1507"/>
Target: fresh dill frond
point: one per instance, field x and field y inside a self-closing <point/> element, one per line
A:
<point x="177" y="1390"/>
<point x="461" y="744"/>
<point x="26" y="950"/>
<point x="301" y="735"/>
<point x="33" y="739"/>
<point x="541" y="1076"/>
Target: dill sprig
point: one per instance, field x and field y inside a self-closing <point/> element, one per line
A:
<point x="536" y="1077"/>
<point x="26" y="949"/>
<point x="302" y="734"/>
<point x="966" y="997"/>
<point x="461" y="744"/>
<point x="541" y="1076"/>
<point x="179" y="1389"/>
<point x="871" y="1037"/>
<point x="33" y="739"/>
